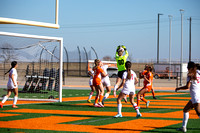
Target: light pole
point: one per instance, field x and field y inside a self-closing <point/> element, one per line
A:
<point x="190" y="47"/>
<point x="158" y="37"/>
<point x="181" y="60"/>
<point x="170" y="23"/>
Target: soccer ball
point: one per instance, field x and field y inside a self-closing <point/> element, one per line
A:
<point x="121" y="49"/>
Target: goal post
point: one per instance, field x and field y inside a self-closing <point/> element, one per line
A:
<point x="28" y="55"/>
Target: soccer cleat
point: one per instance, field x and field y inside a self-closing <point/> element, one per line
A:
<point x="147" y="104"/>
<point x="89" y="101"/>
<point x="100" y="104"/>
<point x="97" y="105"/>
<point x="118" y="115"/>
<point x="183" y="129"/>
<point x="1" y="105"/>
<point x="14" y="106"/>
<point x="154" y="98"/>
<point x="139" y="115"/>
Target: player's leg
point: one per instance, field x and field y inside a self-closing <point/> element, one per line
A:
<point x="15" y="90"/>
<point x="91" y="93"/>
<point x="139" y="95"/>
<point x="108" y="89"/>
<point x="197" y="108"/>
<point x="119" y="104"/>
<point x="96" y="97"/>
<point x="101" y="94"/>
<point x="186" y="110"/>
<point x="6" y="97"/>
<point x="131" y="97"/>
<point x="153" y="93"/>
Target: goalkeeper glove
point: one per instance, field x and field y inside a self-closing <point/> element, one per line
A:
<point x="124" y="47"/>
<point x="118" y="47"/>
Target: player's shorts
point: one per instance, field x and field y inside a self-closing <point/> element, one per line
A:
<point x="97" y="82"/>
<point x="91" y="82"/>
<point x="148" y="88"/>
<point x="106" y="81"/>
<point x="10" y="86"/>
<point x="195" y="99"/>
<point x="128" y="91"/>
<point x="120" y="73"/>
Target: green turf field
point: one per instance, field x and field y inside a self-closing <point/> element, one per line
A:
<point x="98" y="120"/>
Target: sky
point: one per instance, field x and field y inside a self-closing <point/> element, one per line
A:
<point x="105" y="24"/>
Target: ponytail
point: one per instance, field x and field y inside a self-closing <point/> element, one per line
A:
<point x="128" y="68"/>
<point x="13" y="64"/>
<point x="129" y="73"/>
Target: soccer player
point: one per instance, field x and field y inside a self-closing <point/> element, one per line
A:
<point x="105" y="81"/>
<point x="91" y="73"/>
<point x="12" y="84"/>
<point x="98" y="72"/>
<point x="193" y="83"/>
<point x="129" y="80"/>
<point x="121" y="60"/>
<point x="141" y="75"/>
<point x="148" y="80"/>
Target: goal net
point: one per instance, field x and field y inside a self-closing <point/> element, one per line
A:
<point x="39" y="65"/>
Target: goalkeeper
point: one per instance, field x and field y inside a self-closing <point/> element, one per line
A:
<point x="121" y="60"/>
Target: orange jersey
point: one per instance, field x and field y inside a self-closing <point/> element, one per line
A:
<point x="147" y="84"/>
<point x="97" y="76"/>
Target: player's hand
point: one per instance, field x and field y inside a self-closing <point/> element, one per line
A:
<point x="124" y="47"/>
<point x="118" y="47"/>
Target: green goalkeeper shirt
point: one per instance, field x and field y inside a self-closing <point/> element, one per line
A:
<point x="121" y="60"/>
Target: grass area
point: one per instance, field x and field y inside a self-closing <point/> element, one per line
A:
<point x="98" y="120"/>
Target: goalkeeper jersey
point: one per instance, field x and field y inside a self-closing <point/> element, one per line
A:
<point x="121" y="60"/>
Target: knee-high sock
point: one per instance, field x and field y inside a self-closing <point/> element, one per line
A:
<point x="100" y="98"/>
<point x="96" y="99"/>
<point x="185" y="118"/>
<point x="136" y="108"/>
<point x="91" y="93"/>
<point x="4" y="99"/>
<point x="119" y="107"/>
<point x="15" y="100"/>
<point x="106" y="96"/>
<point x="143" y="99"/>
<point x="115" y="87"/>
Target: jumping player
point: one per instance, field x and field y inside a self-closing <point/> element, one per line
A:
<point x="91" y="73"/>
<point x="193" y="83"/>
<point x="106" y="82"/>
<point x="98" y="72"/>
<point x="148" y="80"/>
<point x="129" y="80"/>
<point x="141" y="75"/>
<point x="12" y="84"/>
<point x="121" y="60"/>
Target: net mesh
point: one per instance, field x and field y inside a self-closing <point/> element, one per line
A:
<point x="38" y="66"/>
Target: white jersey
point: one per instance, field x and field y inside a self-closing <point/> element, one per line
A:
<point x="10" y="83"/>
<point x="195" y="88"/>
<point x="91" y="78"/>
<point x="105" y="80"/>
<point x="129" y="85"/>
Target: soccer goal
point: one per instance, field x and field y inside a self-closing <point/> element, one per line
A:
<point x="40" y="65"/>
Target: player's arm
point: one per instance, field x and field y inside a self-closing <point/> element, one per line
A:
<point x="187" y="86"/>
<point x="90" y="73"/>
<point x="136" y="80"/>
<point x="126" y="52"/>
<point x="12" y="77"/>
<point x="146" y="79"/>
<point x="122" y="84"/>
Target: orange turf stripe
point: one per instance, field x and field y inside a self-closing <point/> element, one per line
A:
<point x="183" y="98"/>
<point x="6" y="115"/>
<point x="139" y="125"/>
<point x="177" y="114"/>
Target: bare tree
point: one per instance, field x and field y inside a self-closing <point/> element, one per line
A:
<point x="108" y="58"/>
<point x="7" y="52"/>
